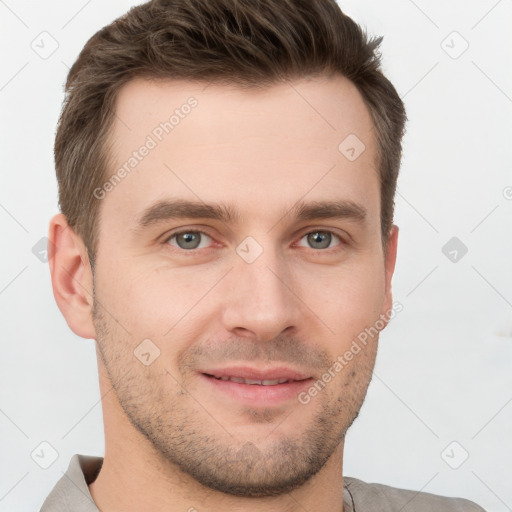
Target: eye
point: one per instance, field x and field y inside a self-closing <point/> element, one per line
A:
<point x="320" y="239"/>
<point x="188" y="239"/>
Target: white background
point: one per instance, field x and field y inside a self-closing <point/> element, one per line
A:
<point x="443" y="371"/>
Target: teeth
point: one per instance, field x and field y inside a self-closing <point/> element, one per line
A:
<point x="266" y="382"/>
<point x="252" y="381"/>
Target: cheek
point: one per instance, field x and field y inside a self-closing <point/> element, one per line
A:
<point x="156" y="301"/>
<point x="348" y="298"/>
<point x="366" y="294"/>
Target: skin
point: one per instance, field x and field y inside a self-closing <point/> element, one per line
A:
<point x="173" y="441"/>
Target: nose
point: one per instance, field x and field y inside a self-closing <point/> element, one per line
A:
<point x="261" y="297"/>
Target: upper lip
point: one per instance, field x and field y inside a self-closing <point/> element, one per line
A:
<point x="248" y="372"/>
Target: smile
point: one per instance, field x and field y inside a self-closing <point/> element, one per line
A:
<point x="255" y="387"/>
<point x="253" y="382"/>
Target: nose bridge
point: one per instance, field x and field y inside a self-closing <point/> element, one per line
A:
<point x="260" y="290"/>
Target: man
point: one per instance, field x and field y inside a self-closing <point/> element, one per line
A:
<point x="226" y="178"/>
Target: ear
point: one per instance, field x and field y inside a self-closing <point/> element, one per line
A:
<point x="389" y="266"/>
<point x="71" y="276"/>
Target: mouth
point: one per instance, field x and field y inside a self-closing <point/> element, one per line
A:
<point x="252" y="382"/>
<point x="257" y="388"/>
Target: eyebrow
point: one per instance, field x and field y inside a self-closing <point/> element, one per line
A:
<point x="168" y="209"/>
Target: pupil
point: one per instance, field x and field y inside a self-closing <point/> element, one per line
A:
<point x="321" y="237"/>
<point x="188" y="240"/>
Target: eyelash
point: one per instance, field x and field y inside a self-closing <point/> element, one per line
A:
<point x="194" y="251"/>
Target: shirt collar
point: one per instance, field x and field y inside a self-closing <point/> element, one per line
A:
<point x="72" y="490"/>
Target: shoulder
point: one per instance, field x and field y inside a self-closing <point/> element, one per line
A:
<point x="367" y="497"/>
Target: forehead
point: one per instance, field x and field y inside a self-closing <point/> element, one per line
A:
<point x="327" y="107"/>
<point x="310" y="139"/>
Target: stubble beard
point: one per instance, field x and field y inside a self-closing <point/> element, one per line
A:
<point x="186" y="435"/>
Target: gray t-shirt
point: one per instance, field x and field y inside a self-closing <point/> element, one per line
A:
<point x="71" y="493"/>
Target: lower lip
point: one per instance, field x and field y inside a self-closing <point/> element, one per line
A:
<point x="259" y="395"/>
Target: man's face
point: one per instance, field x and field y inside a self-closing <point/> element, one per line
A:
<point x="268" y="295"/>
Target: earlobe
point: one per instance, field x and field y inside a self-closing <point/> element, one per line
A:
<point x="71" y="276"/>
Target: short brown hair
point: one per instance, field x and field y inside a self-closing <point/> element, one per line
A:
<point x="243" y="42"/>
